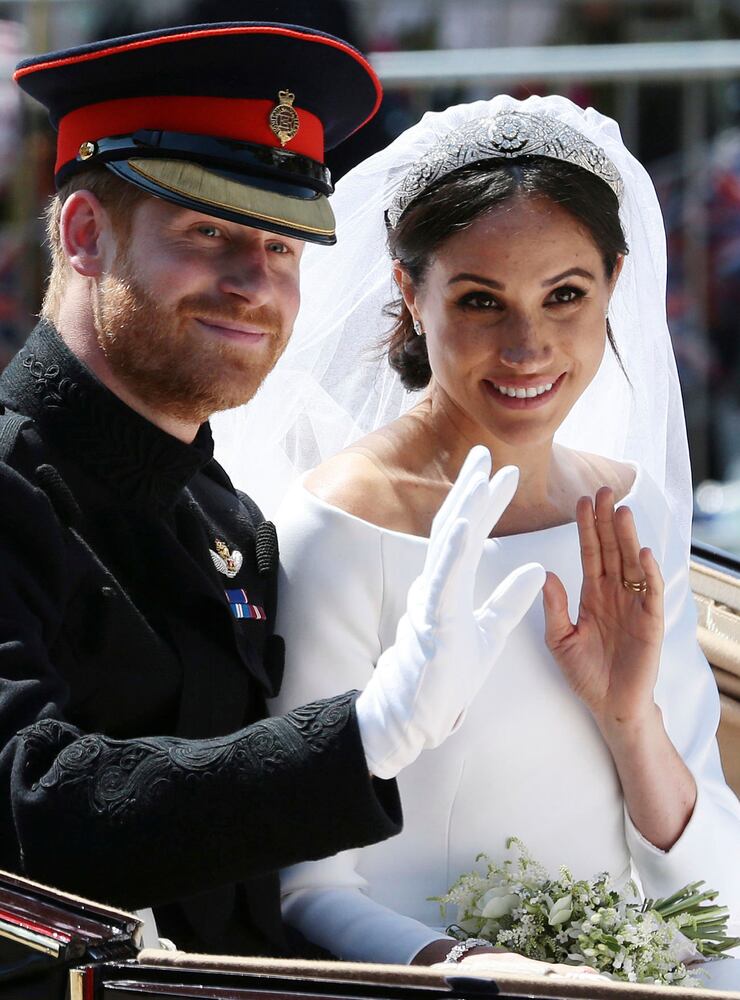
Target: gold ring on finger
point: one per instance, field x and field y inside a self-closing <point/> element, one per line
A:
<point x="640" y="587"/>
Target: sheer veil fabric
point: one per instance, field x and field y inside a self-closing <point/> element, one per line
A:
<point x="333" y="383"/>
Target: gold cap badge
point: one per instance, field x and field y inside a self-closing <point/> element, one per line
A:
<point x="87" y="149"/>
<point x="284" y="118"/>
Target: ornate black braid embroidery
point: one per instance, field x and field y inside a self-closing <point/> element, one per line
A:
<point x="319" y="728"/>
<point x="56" y="391"/>
<point x="36" y="368"/>
<point x="43" y="735"/>
<point x="116" y="776"/>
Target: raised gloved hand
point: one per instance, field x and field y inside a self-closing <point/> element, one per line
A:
<point x="445" y="647"/>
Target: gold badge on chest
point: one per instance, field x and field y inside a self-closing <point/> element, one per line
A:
<point x="228" y="563"/>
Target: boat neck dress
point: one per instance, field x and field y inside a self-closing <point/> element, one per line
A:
<point x="527" y="760"/>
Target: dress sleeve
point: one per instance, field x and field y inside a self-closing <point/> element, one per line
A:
<point x="709" y="847"/>
<point x="331" y="600"/>
<point x="125" y="820"/>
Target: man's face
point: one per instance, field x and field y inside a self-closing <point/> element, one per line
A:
<point x="194" y="312"/>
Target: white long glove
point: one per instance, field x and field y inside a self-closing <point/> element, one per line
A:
<point x="445" y="648"/>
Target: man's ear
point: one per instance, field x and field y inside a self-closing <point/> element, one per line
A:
<point x="86" y="234"/>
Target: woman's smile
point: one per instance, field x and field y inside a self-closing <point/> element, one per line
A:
<point x="524" y="394"/>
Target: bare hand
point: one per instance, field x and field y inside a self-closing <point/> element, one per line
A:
<point x="610" y="657"/>
<point x="492" y="964"/>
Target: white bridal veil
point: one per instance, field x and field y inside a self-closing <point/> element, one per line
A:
<point x="332" y="385"/>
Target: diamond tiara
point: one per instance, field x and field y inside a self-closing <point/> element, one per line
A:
<point x="507" y="135"/>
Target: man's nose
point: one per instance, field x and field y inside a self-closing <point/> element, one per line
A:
<point x="525" y="343"/>
<point x="246" y="274"/>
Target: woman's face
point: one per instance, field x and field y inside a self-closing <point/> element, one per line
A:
<point x="514" y="313"/>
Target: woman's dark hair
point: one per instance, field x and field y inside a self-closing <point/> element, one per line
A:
<point x="463" y="196"/>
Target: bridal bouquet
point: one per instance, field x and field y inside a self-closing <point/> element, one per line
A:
<point x="588" y="922"/>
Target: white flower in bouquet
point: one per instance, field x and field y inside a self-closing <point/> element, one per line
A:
<point x="516" y="905"/>
<point x="497" y="902"/>
<point x="560" y="911"/>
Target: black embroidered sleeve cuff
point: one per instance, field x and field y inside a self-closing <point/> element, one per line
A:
<point x="140" y="822"/>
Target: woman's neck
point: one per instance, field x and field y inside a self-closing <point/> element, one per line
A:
<point x="398" y="476"/>
<point x="454" y="434"/>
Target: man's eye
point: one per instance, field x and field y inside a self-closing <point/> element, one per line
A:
<point x="277" y="247"/>
<point x="212" y="232"/>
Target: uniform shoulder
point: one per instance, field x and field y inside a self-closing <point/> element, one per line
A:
<point x="18" y="436"/>
<point x="36" y="502"/>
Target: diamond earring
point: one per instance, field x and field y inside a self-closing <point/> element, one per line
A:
<point x="418" y="328"/>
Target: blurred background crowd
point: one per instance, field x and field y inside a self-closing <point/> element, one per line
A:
<point x="667" y="70"/>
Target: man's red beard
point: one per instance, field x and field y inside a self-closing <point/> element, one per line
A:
<point x="162" y="357"/>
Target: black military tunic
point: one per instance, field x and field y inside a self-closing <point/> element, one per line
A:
<point x="137" y="600"/>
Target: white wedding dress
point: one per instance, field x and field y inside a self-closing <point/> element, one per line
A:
<point x="527" y="760"/>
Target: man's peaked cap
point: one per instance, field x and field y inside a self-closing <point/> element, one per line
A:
<point x="228" y="119"/>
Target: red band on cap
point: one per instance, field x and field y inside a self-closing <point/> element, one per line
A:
<point x="218" y="117"/>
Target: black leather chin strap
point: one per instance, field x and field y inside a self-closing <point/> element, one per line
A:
<point x="293" y="174"/>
